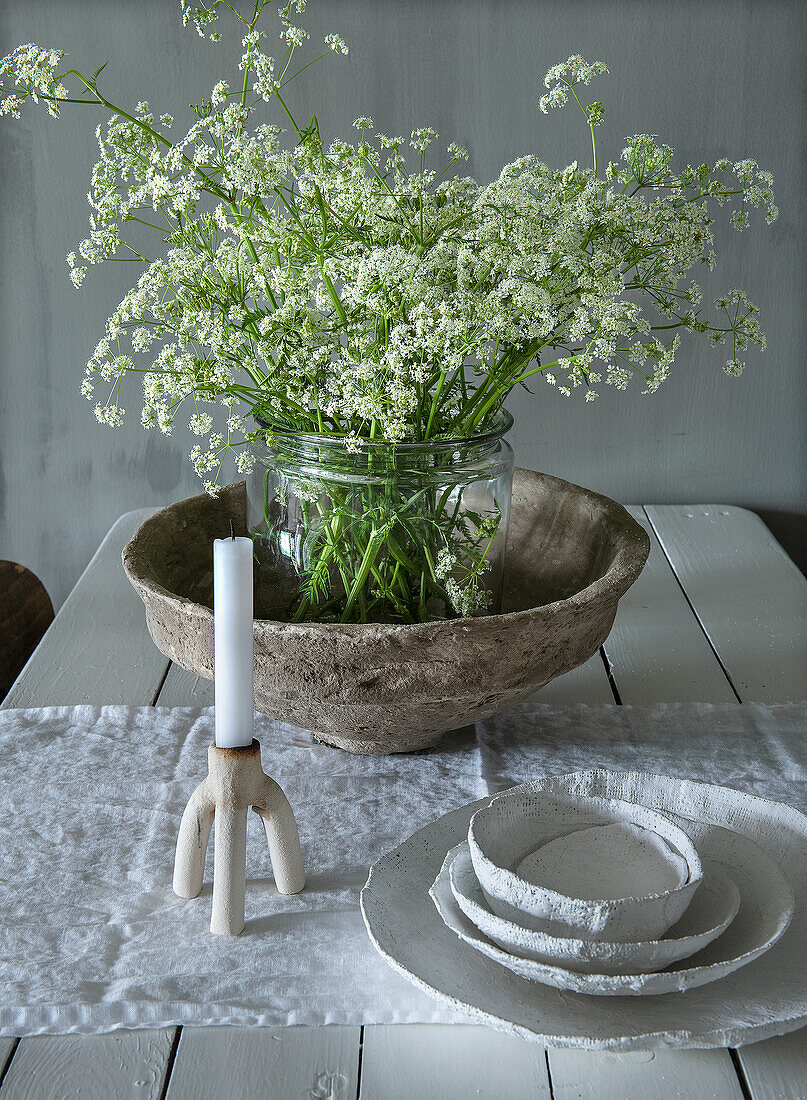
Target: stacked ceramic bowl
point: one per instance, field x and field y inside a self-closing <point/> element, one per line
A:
<point x="606" y="896"/>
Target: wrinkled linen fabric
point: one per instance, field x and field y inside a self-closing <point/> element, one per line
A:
<point x="92" y="937"/>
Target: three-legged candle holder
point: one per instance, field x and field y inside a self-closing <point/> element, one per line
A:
<point x="235" y="781"/>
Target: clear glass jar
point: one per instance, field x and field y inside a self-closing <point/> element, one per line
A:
<point x="382" y="532"/>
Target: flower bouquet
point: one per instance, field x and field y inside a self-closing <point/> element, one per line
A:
<point x="362" y="310"/>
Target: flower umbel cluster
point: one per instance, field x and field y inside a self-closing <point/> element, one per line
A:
<point x="33" y="72"/>
<point x="364" y="289"/>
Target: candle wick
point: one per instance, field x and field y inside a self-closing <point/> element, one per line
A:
<point x="232" y="532"/>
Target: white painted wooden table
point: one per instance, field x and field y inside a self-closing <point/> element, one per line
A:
<point x="718" y="615"/>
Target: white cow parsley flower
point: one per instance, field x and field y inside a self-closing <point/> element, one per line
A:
<point x="363" y="291"/>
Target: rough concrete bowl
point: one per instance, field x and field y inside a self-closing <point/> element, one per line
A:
<point x="381" y="688"/>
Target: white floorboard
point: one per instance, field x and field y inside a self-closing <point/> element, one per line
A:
<point x="748" y="594"/>
<point x="123" y="1065"/>
<point x="777" y="1068"/>
<point x="313" y="1063"/>
<point x="450" y="1062"/>
<point x="654" y="1075"/>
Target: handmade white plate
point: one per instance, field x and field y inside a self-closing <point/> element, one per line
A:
<point x="766" y="907"/>
<point x="768" y="997"/>
<point x="526" y="818"/>
<point x="709" y="913"/>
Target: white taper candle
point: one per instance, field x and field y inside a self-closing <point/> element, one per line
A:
<point x="232" y="610"/>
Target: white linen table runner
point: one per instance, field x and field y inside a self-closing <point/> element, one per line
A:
<point x="92" y="937"/>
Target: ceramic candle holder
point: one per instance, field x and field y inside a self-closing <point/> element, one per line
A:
<point x="235" y="782"/>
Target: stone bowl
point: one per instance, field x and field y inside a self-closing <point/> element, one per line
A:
<point x="381" y="688"/>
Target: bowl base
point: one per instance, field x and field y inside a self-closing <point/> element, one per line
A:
<point x="377" y="746"/>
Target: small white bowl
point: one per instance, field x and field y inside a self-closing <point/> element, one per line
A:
<point x="525" y="818"/>
<point x="711" y="911"/>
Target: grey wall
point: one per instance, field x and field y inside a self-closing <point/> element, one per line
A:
<point x="711" y="77"/>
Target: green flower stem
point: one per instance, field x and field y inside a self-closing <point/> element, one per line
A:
<point x="337" y="305"/>
<point x="434" y="405"/>
<point x="593" y="138"/>
<point x="373" y="546"/>
<point x="381" y="545"/>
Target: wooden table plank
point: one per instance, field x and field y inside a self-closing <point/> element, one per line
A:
<point x="97" y="650"/>
<point x="453" y="1062"/>
<point x="657" y="650"/>
<point x="429" y="1062"/>
<point x="185" y="689"/>
<point x="7" y="1046"/>
<point x="777" y="1068"/>
<point x="644" y="1075"/>
<point x="321" y="1063"/>
<point x="124" y="1065"/>
<point x="588" y="683"/>
<point x="752" y="602"/>
<point x="748" y="594"/>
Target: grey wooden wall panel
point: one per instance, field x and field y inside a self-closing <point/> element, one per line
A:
<point x="712" y="77"/>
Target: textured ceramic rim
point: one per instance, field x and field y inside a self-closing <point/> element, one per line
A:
<point x="522" y="1016"/>
<point x="502" y="882"/>
<point x="589" y="950"/>
<point x="657" y="983"/>
<point x="624" y="568"/>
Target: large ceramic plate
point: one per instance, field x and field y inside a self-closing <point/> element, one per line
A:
<point x="767" y="997"/>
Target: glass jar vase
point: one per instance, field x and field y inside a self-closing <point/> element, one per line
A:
<point x="379" y="532"/>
